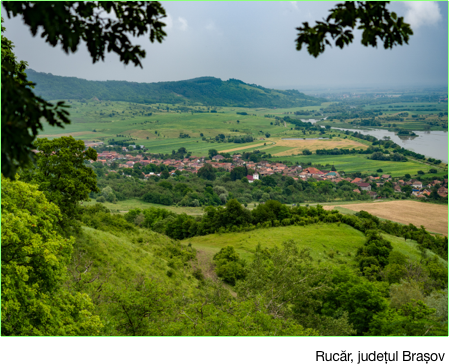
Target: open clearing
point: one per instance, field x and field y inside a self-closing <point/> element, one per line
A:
<point x="312" y="145"/>
<point x="331" y="243"/>
<point x="432" y="217"/>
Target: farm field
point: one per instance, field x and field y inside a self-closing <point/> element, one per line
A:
<point x="328" y="242"/>
<point x="433" y="217"/>
<point x="158" y="128"/>
<point x="297" y="146"/>
<point x="357" y="163"/>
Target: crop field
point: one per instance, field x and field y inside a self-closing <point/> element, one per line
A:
<point x="433" y="217"/>
<point x="328" y="242"/>
<point x="358" y="163"/>
<point x="158" y="127"/>
<point x="297" y="146"/>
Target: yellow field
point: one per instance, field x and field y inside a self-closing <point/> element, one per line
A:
<point x="313" y="145"/>
<point x="239" y="148"/>
<point x="432" y="217"/>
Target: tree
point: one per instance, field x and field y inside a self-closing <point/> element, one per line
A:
<point x="65" y="23"/>
<point x="306" y="152"/>
<point x="212" y="153"/>
<point x="372" y="18"/>
<point x="239" y="173"/>
<point x="207" y="172"/>
<point x="61" y="174"/>
<point x="229" y="266"/>
<point x="34" y="261"/>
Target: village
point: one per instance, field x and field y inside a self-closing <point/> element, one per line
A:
<point x="257" y="170"/>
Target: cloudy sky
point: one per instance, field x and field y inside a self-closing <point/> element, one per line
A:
<point x="254" y="42"/>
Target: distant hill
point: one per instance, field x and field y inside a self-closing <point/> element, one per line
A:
<point x="205" y="90"/>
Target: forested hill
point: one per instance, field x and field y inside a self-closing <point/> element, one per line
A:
<point x="206" y="90"/>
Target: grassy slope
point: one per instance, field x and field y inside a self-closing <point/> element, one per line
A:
<point x="332" y="243"/>
<point x="120" y="255"/>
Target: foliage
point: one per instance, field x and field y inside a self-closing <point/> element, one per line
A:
<point x="375" y="21"/>
<point x="374" y="254"/>
<point x="290" y="286"/>
<point x="229" y="266"/>
<point x="34" y="258"/>
<point x="66" y="23"/>
<point x="207" y="172"/>
<point x="209" y="91"/>
<point x="22" y="112"/>
<point x="61" y="173"/>
<point x="413" y="319"/>
<point x="355" y="295"/>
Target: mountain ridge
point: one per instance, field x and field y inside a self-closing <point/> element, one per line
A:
<point x="206" y="90"/>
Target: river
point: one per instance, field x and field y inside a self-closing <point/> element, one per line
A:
<point x="430" y="143"/>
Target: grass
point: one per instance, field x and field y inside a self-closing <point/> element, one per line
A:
<point x="126" y="205"/>
<point x="120" y="256"/>
<point x="321" y="238"/>
<point x="331" y="243"/>
<point x="357" y="163"/>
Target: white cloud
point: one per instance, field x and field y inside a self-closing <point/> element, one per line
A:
<point x="210" y="26"/>
<point x="183" y="26"/>
<point x="422" y="13"/>
<point x="294" y="4"/>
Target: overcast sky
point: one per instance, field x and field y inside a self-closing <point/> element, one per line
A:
<point x="254" y="42"/>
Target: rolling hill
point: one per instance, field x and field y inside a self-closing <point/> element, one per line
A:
<point x="208" y="91"/>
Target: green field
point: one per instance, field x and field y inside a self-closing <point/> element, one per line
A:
<point x="125" y="206"/>
<point x="101" y="121"/>
<point x="358" y="163"/>
<point x="334" y="243"/>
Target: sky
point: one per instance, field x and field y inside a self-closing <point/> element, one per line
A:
<point x="255" y="42"/>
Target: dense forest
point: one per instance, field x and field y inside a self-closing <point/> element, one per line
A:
<point x="209" y="91"/>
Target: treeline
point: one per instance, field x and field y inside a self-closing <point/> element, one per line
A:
<point x="205" y="90"/>
<point x="217" y="187"/>
<point x="235" y="218"/>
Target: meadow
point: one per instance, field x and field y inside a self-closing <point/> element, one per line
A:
<point x="332" y="243"/>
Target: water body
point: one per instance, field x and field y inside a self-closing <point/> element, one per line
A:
<point x="430" y="143"/>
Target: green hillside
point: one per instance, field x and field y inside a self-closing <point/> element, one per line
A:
<point x="331" y="243"/>
<point x="208" y="91"/>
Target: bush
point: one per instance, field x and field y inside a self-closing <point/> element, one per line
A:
<point x="229" y="266"/>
